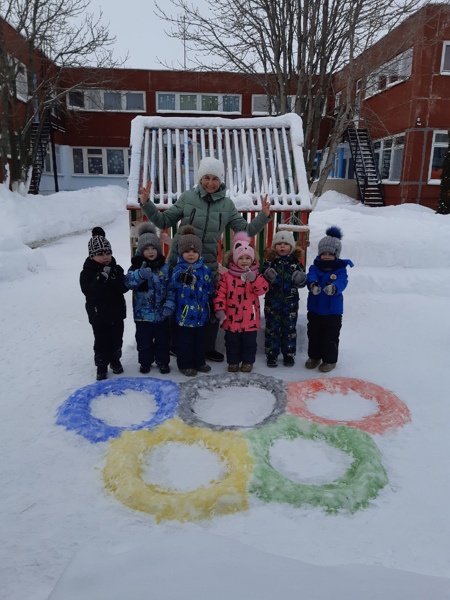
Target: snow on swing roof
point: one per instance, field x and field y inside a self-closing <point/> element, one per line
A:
<point x="261" y="155"/>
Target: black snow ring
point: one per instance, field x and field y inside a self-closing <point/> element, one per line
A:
<point x="189" y="394"/>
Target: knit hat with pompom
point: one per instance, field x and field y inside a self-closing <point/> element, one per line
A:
<point x="332" y="242"/>
<point x="148" y="237"/>
<point x="242" y="247"/>
<point x="98" y="244"/>
<point x="189" y="240"/>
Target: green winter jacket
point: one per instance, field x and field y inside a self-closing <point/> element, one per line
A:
<point x="209" y="215"/>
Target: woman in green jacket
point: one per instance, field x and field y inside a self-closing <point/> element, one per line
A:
<point x="209" y="211"/>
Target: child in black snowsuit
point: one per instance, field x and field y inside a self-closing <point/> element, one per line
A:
<point x="102" y="282"/>
<point x="284" y="272"/>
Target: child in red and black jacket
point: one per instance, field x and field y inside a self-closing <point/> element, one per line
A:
<point x="236" y="305"/>
<point x="102" y="282"/>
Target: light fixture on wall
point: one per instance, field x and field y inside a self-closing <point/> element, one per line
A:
<point x="418" y="122"/>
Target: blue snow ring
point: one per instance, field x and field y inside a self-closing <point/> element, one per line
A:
<point x="75" y="413"/>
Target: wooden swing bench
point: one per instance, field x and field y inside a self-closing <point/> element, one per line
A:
<point x="261" y="155"/>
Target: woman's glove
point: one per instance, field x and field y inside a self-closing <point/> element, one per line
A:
<point x="270" y="275"/>
<point x="315" y="288"/>
<point x="145" y="272"/>
<point x="248" y="275"/>
<point x="298" y="278"/>
<point x="330" y="289"/>
<point x="220" y="316"/>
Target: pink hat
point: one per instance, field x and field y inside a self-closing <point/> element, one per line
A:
<point x="242" y="247"/>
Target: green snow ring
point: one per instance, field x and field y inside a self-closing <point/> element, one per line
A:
<point x="363" y="480"/>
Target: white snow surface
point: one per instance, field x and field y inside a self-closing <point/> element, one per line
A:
<point x="64" y="538"/>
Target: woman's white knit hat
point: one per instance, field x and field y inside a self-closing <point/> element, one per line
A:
<point x="211" y="166"/>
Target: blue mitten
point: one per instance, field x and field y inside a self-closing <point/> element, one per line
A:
<point x="167" y="312"/>
<point x="145" y="272"/>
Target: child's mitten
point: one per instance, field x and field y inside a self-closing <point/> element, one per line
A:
<point x="298" y="278"/>
<point x="248" y="275"/>
<point x="145" y="272"/>
<point x="105" y="272"/>
<point x="315" y="288"/>
<point x="270" y="275"/>
<point x="330" y="289"/>
<point x="221" y="316"/>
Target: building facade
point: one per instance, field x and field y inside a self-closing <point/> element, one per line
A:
<point x="401" y="93"/>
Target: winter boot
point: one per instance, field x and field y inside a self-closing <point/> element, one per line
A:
<point x="164" y="369"/>
<point x="326" y="367"/>
<point x="246" y="368"/>
<point x="116" y="367"/>
<point x="102" y="372"/>
<point x="312" y="363"/>
<point x="189" y="372"/>
<point x="272" y="361"/>
<point x="233" y="368"/>
<point x="144" y="369"/>
<point x="204" y="369"/>
<point x="215" y="356"/>
<point x="288" y="360"/>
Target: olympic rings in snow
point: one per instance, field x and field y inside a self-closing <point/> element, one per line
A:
<point x="75" y="413"/>
<point x="392" y="413"/>
<point x="123" y="473"/>
<point x="190" y="391"/>
<point x="365" y="477"/>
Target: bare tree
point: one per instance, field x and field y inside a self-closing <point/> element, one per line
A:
<point x="39" y="41"/>
<point x="292" y="49"/>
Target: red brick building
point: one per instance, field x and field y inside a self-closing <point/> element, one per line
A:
<point x="402" y="88"/>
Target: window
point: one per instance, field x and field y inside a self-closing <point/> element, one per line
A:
<point x="389" y="157"/>
<point x="391" y="73"/>
<point x="106" y="100"/>
<point x="101" y="161"/>
<point x="48" y="161"/>
<point x="262" y="106"/>
<point x="19" y="71"/>
<point x="337" y="99"/>
<point x="438" y="150"/>
<point x="201" y="103"/>
<point x="445" y="64"/>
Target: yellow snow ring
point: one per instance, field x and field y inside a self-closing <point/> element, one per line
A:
<point x="123" y="473"/>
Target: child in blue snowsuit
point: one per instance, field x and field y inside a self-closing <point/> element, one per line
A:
<point x="153" y="300"/>
<point x="193" y="284"/>
<point x="284" y="272"/>
<point x="327" y="279"/>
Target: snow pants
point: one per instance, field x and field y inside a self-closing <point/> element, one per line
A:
<point x="152" y="341"/>
<point x="281" y="332"/>
<point x="240" y="347"/>
<point x="323" y="336"/>
<point x="108" y="341"/>
<point x="190" y="347"/>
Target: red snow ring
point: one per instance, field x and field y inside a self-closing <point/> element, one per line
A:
<point x="392" y="413"/>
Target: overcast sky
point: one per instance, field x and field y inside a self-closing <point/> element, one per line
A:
<point x="141" y="33"/>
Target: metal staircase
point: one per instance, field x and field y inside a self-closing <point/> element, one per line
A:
<point x="366" y="171"/>
<point x="39" y="146"/>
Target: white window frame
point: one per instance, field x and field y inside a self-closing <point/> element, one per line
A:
<point x="445" y="48"/>
<point x="20" y="77"/>
<point x="434" y="145"/>
<point x="220" y="100"/>
<point x="103" y="152"/>
<point x="395" y="71"/>
<point x="273" y="109"/>
<point x="92" y="104"/>
<point x="48" y="161"/>
<point x="396" y="144"/>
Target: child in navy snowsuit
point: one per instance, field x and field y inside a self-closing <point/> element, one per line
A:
<point x="102" y="282"/>
<point x="193" y="284"/>
<point x="153" y="300"/>
<point x="327" y="279"/>
<point x="284" y="272"/>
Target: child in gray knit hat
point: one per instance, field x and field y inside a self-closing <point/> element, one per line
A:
<point x="102" y="282"/>
<point x="284" y="272"/>
<point x="327" y="279"/>
<point x="153" y="300"/>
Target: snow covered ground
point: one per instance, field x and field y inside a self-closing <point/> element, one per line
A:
<point x="64" y="536"/>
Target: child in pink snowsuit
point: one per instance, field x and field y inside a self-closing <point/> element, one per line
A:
<point x="236" y="304"/>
